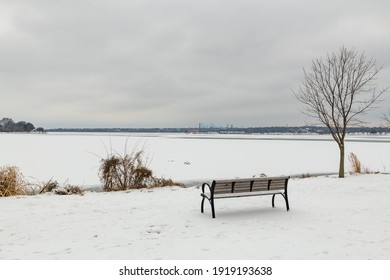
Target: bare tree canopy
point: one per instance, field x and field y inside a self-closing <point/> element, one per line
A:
<point x="339" y="89"/>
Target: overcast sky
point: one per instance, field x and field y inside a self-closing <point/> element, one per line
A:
<point x="175" y="63"/>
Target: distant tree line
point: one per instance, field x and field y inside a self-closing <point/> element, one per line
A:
<point x="8" y="125"/>
<point x="247" y="130"/>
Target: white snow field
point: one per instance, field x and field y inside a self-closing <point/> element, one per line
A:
<point x="330" y="218"/>
<point x="76" y="157"/>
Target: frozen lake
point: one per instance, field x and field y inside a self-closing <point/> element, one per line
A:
<point x="186" y="157"/>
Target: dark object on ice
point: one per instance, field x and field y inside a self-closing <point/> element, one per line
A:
<point x="244" y="188"/>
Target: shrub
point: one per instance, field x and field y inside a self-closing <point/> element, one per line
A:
<point x="54" y="187"/>
<point x="305" y="175"/>
<point x="129" y="171"/>
<point x="11" y="181"/>
<point x="68" y="190"/>
<point x="161" y="182"/>
<point x="49" y="186"/>
<point x="355" y="163"/>
<point x="357" y="167"/>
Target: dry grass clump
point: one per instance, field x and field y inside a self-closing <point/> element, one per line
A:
<point x="11" y="181"/>
<point x="49" y="186"/>
<point x="68" y="190"/>
<point x="355" y="163"/>
<point x="305" y="176"/>
<point x="129" y="171"/>
<point x="54" y="187"/>
<point x="357" y="167"/>
<point x="161" y="182"/>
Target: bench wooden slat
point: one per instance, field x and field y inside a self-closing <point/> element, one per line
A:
<point x="249" y="185"/>
<point x="229" y="181"/>
<point x="246" y="195"/>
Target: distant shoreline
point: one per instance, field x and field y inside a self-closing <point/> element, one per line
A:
<point x="351" y="137"/>
<point x="317" y="130"/>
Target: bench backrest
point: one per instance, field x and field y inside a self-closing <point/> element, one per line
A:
<point x="250" y="185"/>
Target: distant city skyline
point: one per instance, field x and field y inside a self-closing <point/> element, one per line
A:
<point x="172" y="63"/>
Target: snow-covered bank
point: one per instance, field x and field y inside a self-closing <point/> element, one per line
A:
<point x="330" y="218"/>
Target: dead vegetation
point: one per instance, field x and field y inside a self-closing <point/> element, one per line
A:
<point x="305" y="175"/>
<point x="355" y="163"/>
<point x="357" y="166"/>
<point x="129" y="171"/>
<point x="11" y="181"/>
<point x="55" y="188"/>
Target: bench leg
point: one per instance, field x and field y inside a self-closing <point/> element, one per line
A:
<point x="211" y="204"/>
<point x="273" y="201"/>
<point x="212" y="209"/>
<point x="285" y="198"/>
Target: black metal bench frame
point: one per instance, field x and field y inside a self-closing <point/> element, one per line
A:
<point x="226" y="189"/>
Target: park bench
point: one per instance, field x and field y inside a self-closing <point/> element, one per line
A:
<point x="244" y="188"/>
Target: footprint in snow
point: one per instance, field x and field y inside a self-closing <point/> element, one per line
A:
<point x="151" y="231"/>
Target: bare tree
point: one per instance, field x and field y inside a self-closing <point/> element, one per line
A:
<point x="339" y="89"/>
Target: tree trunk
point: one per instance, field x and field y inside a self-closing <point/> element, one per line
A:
<point x="342" y="157"/>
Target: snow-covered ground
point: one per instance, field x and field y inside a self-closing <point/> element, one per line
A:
<point x="330" y="218"/>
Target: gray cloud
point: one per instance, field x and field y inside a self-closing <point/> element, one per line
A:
<point x="174" y="63"/>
